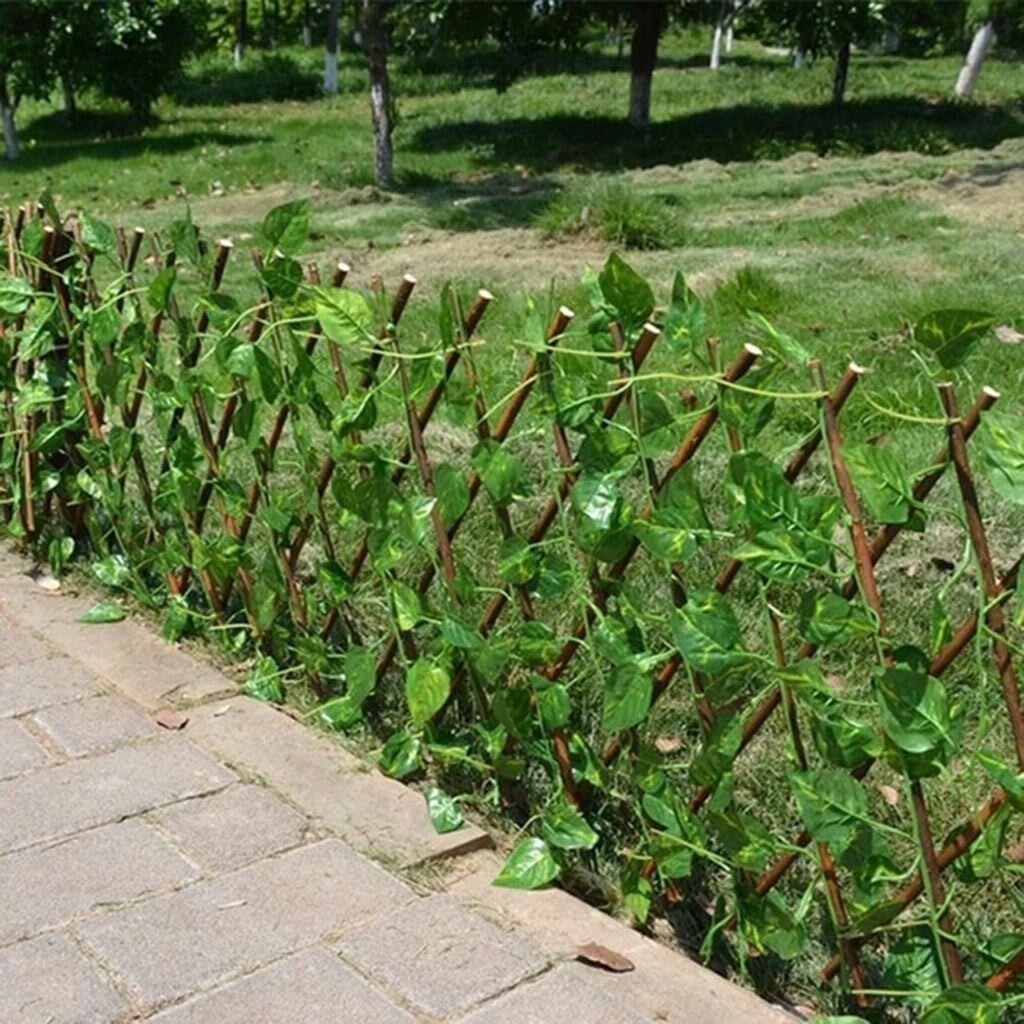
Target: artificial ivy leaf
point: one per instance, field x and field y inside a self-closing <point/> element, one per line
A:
<point x="282" y="276"/>
<point x="1002" y="447"/>
<point x="112" y="570"/>
<point x="452" y="493"/>
<point x="1011" y="782"/>
<point x="459" y="635"/>
<point x="832" y="803"/>
<point x="707" y="632"/>
<point x="344" y="315"/>
<point x="264" y="682"/>
<point x="563" y="826"/>
<point x="781" y="343"/>
<point x="915" y="711"/>
<point x="360" y="674"/>
<point x="627" y="697"/>
<point x="770" y="926"/>
<point x="637" y="890"/>
<point x="880" y="478"/>
<point x="97" y="235"/>
<point x="444" y="812"/>
<point x="826" y="617"/>
<point x="502" y="473"/>
<point x="103" y="612"/>
<point x="531" y="865"/>
<point x="626" y="292"/>
<point x="553" y="703"/>
<point x="402" y="754"/>
<point x="968" y="1003"/>
<point x="408" y="606"/>
<point x="340" y="713"/>
<point x="952" y="333"/>
<point x="912" y="962"/>
<point x="517" y="561"/>
<point x="427" y="687"/>
<point x="286" y="227"/>
<point x="685" y="319"/>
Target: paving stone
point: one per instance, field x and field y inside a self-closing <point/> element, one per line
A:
<point x="665" y="986"/>
<point x="312" y="987"/>
<point x="373" y="813"/>
<point x="440" y="957"/>
<point x="173" y="945"/>
<point x="232" y="828"/>
<point x="58" y="801"/>
<point x="48" y="981"/>
<point x="19" y="749"/>
<point x="566" y="993"/>
<point x="45" y="888"/>
<point x="20" y="646"/>
<point x="38" y="684"/>
<point x="99" y="723"/>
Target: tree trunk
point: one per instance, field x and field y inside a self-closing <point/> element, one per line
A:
<point x="842" y="72"/>
<point x="716" y="39"/>
<point x="11" y="146"/>
<point x="376" y="37"/>
<point x="980" y="45"/>
<point x="331" y="52"/>
<point x="275" y="29"/>
<point x="307" y="28"/>
<point x="241" y="31"/>
<point x="729" y="35"/>
<point x="799" y="58"/>
<point x="70" y="106"/>
<point x="648" y="21"/>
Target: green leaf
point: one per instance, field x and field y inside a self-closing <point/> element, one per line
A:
<point x="517" y="561"/>
<point x="452" y="492"/>
<point x="968" y="1003"/>
<point x="685" y="322"/>
<point x="627" y="697"/>
<point x="952" y="333"/>
<point x="502" y="473"/>
<point x="781" y="343"/>
<point x="282" y="276"/>
<point x="832" y="803"/>
<point x="882" y="482"/>
<point x="826" y="617"/>
<point x="553" y="704"/>
<point x="360" y="674"/>
<point x="1002" y="447"/>
<point x="97" y="235"/>
<point x="915" y="711"/>
<point x="112" y="571"/>
<point x="264" y="682"/>
<point x="427" y="687"/>
<point x="402" y="754"/>
<point x="344" y="315"/>
<point x="707" y="632"/>
<point x="408" y="606"/>
<point x="1012" y="782"/>
<point x="16" y="295"/>
<point x="185" y="240"/>
<point x="444" y="812"/>
<point x="563" y="826"/>
<point x="531" y="865"/>
<point x="103" y="612"/>
<point x="460" y="635"/>
<point x="286" y="227"/>
<point x="628" y="294"/>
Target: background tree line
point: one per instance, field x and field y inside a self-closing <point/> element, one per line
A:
<point x="133" y="50"/>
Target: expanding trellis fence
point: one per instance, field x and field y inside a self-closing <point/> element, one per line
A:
<point x="654" y="624"/>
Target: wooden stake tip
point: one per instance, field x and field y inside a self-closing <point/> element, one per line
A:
<point x="652" y="329"/>
<point x="753" y="350"/>
<point x="858" y="369"/>
<point x="485" y="295"/>
<point x="343" y="267"/>
<point x="992" y="393"/>
<point x="567" y="313"/>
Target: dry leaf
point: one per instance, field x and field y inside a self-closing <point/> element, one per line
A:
<point x="222" y="711"/>
<point x="668" y="744"/>
<point x="46" y="582"/>
<point x="1009" y="335"/>
<point x="890" y="795"/>
<point x="911" y="570"/>
<point x="232" y="905"/>
<point x="168" y="718"/>
<point x="602" y="956"/>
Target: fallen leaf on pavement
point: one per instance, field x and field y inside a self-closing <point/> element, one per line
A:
<point x="602" y="956"/>
<point x="168" y="718"/>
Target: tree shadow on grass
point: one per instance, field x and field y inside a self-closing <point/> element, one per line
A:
<point x="54" y="139"/>
<point x="741" y="133"/>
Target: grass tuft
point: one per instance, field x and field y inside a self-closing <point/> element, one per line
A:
<point x="615" y="212"/>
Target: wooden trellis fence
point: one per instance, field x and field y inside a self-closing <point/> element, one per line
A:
<point x="131" y="417"/>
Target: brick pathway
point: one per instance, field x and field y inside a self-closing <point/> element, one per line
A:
<point x="214" y="876"/>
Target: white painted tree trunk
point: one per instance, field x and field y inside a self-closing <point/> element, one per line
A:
<point x="331" y="73"/>
<point x="11" y="146"/>
<point x="239" y="53"/>
<point x="729" y="38"/>
<point x="307" y="36"/>
<point x="980" y="45"/>
<point x="799" y="59"/>
<point x="716" y="48"/>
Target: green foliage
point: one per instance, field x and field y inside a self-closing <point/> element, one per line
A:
<point x="584" y="660"/>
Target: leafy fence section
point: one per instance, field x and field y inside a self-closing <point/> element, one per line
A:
<point x="632" y="592"/>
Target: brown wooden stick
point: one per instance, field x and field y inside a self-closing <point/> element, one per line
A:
<point x="1001" y="980"/>
<point x="994" y="616"/>
<point x="869" y="588"/>
<point x="507" y="420"/>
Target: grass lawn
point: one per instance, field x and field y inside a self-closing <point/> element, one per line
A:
<point x="842" y="227"/>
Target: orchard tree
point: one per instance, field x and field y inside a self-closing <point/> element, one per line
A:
<point x="24" y="67"/>
<point x="986" y="18"/>
<point x="331" y="48"/>
<point x="375" y="37"/>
